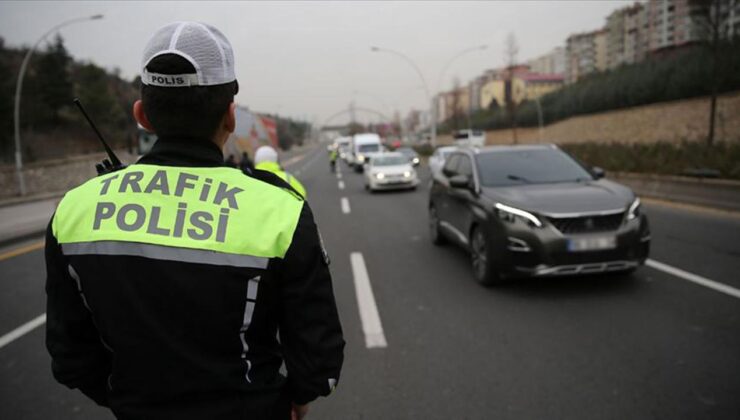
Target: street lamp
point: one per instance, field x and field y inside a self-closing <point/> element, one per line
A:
<point x="432" y="107"/>
<point x="424" y="83"/>
<point x="19" y="87"/>
<point x="447" y="66"/>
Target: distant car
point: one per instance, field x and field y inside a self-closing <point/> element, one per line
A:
<point x="410" y="154"/>
<point x="363" y="147"/>
<point x="535" y="211"/>
<point x="343" y="146"/>
<point x="473" y="138"/>
<point x="437" y="160"/>
<point x="390" y="171"/>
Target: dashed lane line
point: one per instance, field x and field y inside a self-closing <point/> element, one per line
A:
<point x="371" y="325"/>
<point x="345" y="205"/>
<point x="22" y="330"/>
<point x="341" y="185"/>
<point x="702" y="281"/>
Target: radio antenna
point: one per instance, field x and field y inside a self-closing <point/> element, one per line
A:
<point x="116" y="163"/>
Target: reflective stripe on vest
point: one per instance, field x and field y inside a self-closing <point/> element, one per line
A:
<point x="179" y="214"/>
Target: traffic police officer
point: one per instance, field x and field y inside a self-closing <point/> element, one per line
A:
<point x="177" y="286"/>
<point x="266" y="159"/>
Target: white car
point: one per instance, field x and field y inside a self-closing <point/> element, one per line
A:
<point x="390" y="171"/>
<point x="472" y="138"/>
<point x="437" y="159"/>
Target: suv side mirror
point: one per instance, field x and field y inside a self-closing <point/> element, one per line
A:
<point x="460" y="181"/>
<point x="598" y="172"/>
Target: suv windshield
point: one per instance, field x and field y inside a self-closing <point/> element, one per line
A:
<point x="369" y="148"/>
<point x="538" y="166"/>
<point x="406" y="152"/>
<point x="389" y="160"/>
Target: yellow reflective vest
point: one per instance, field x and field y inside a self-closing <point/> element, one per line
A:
<point x="166" y="208"/>
<point x="277" y="170"/>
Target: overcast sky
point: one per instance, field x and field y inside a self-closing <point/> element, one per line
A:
<point x="310" y="59"/>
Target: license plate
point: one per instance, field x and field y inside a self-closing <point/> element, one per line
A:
<point x="592" y="243"/>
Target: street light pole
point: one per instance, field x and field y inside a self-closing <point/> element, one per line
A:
<point x="424" y="83"/>
<point x="539" y="116"/>
<point x="447" y="66"/>
<point x="18" y="89"/>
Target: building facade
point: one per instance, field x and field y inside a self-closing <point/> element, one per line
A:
<point x="585" y="53"/>
<point x="550" y="63"/>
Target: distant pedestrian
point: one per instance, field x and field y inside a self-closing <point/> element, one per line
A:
<point x="266" y="159"/>
<point x="231" y="161"/>
<point x="333" y="160"/>
<point x="245" y="164"/>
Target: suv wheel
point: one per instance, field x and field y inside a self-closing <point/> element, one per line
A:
<point x="434" y="234"/>
<point x="483" y="270"/>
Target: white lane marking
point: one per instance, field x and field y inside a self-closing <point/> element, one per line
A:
<point x="293" y="160"/>
<point x="339" y="175"/>
<point x="310" y="162"/>
<point x="371" y="326"/>
<point x="345" y="205"/>
<point x="22" y="330"/>
<point x="341" y="185"/>
<point x="703" y="281"/>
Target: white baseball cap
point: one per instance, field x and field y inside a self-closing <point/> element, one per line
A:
<point x="265" y="154"/>
<point x="204" y="46"/>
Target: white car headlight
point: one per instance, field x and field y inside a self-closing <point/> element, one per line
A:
<point x="510" y="214"/>
<point x="379" y="175"/>
<point x="360" y="158"/>
<point x="634" y="209"/>
<point x="407" y="174"/>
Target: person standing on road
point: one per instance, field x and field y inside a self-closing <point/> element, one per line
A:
<point x="177" y="286"/>
<point x="245" y="164"/>
<point x="333" y="160"/>
<point x="266" y="159"/>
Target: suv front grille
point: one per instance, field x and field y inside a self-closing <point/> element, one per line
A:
<point x="587" y="224"/>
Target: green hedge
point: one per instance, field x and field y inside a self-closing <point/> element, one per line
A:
<point x="681" y="74"/>
<point x="660" y="158"/>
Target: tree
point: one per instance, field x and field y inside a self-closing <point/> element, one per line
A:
<point x="512" y="50"/>
<point x="455" y="104"/>
<point x="53" y="79"/>
<point x="712" y="17"/>
<point x="7" y="92"/>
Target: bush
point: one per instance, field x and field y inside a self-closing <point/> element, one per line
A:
<point x="660" y="158"/>
<point x="677" y="75"/>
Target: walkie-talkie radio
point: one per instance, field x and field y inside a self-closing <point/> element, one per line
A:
<point x="107" y="165"/>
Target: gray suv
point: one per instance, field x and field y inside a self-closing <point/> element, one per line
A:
<point x="535" y="211"/>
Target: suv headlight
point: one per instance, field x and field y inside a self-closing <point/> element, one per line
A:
<point x="634" y="210"/>
<point x="407" y="174"/>
<point x="510" y="214"/>
<point x="379" y="175"/>
<point x="360" y="158"/>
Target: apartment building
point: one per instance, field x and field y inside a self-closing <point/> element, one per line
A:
<point x="551" y="63"/>
<point x="585" y="53"/>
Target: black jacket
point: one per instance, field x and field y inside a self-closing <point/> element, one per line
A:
<point x="161" y="339"/>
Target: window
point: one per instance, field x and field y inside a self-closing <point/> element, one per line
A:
<point x="450" y="167"/>
<point x="528" y="166"/>
<point x="464" y="166"/>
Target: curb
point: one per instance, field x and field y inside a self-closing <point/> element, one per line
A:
<point x="30" y="199"/>
<point x="34" y="234"/>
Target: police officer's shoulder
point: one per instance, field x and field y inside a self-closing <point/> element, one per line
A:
<point x="274" y="180"/>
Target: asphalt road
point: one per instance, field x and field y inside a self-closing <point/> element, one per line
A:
<point x="649" y="345"/>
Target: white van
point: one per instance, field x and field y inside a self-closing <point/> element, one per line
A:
<point x="473" y="138"/>
<point x="364" y="147"/>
